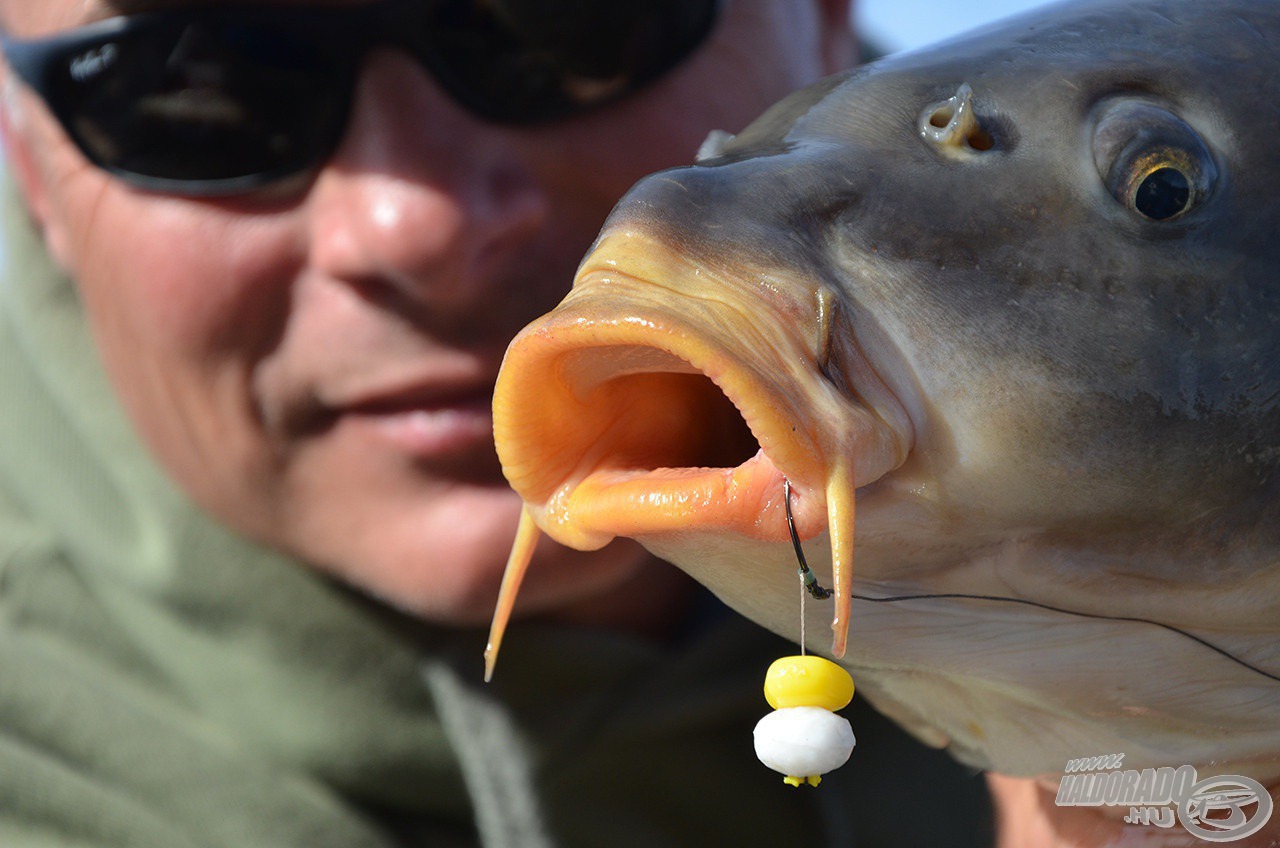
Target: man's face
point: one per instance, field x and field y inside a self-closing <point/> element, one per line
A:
<point x="313" y="364"/>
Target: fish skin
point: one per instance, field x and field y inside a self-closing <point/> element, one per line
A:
<point x="1082" y="406"/>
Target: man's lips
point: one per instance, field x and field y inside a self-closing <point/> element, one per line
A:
<point x="432" y="423"/>
<point x="442" y="423"/>
<point x="416" y="399"/>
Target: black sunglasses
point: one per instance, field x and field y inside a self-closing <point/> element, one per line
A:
<point x="216" y="101"/>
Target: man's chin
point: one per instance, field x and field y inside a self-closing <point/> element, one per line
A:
<point x="437" y="549"/>
<point x="457" y="585"/>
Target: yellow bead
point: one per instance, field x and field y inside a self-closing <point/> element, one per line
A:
<point x="807" y="681"/>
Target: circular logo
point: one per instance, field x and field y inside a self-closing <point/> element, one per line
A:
<point x="1225" y="808"/>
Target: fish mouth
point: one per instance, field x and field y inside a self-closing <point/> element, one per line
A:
<point x="642" y="427"/>
<point x="667" y="397"/>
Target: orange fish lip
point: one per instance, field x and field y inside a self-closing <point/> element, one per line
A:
<point x="639" y="504"/>
<point x="584" y="501"/>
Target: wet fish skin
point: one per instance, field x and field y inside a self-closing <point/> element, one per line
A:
<point x="1087" y="401"/>
<point x="1137" y="358"/>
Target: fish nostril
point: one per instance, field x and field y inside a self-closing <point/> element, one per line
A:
<point x="980" y="140"/>
<point x="952" y="126"/>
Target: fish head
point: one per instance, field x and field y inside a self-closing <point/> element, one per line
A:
<point x="1018" y="298"/>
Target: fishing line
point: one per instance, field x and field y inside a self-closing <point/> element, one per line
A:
<point x="816" y="590"/>
<point x="803" y="652"/>
<point x="1050" y="607"/>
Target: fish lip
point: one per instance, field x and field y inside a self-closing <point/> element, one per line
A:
<point x="570" y="333"/>
<point x="748" y="498"/>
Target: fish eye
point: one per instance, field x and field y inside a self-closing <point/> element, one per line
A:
<point x="1160" y="186"/>
<point x="1151" y="161"/>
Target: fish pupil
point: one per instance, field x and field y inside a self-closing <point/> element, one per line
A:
<point x="1164" y="193"/>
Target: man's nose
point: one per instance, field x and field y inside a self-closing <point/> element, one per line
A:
<point x="421" y="198"/>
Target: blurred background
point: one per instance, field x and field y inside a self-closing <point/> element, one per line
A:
<point x="893" y="25"/>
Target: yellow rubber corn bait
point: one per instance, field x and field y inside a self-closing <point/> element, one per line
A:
<point x="803" y="738"/>
<point x="807" y="681"/>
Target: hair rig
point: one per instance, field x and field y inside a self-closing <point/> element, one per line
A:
<point x="803" y="738"/>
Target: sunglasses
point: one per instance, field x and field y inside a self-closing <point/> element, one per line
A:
<point x="217" y="101"/>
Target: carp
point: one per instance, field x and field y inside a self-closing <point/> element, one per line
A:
<point x="1017" y="298"/>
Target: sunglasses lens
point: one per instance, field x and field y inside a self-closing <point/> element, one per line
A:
<point x="203" y="103"/>
<point x="535" y="60"/>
